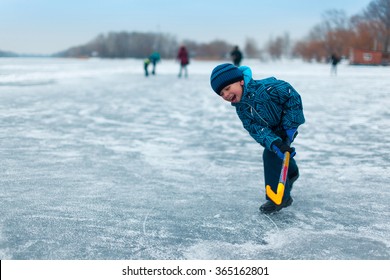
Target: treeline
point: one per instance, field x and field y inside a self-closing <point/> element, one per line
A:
<point x="141" y="45"/>
<point x="123" y="45"/>
<point x="336" y="33"/>
<point x="7" y="54"/>
<point x="369" y="30"/>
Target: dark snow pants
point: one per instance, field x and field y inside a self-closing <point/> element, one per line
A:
<point x="272" y="167"/>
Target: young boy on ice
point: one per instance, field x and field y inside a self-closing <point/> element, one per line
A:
<point x="271" y="111"/>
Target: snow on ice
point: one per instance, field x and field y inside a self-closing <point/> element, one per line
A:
<point x="100" y="162"/>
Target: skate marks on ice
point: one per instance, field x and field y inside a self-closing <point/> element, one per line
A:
<point x="104" y="164"/>
<point x="255" y="236"/>
<point x="306" y="230"/>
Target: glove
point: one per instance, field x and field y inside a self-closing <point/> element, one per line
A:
<point x="279" y="148"/>
<point x="291" y="134"/>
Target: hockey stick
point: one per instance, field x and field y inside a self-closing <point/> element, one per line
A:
<point x="278" y="196"/>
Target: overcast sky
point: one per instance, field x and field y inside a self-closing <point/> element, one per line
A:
<point x="49" y="26"/>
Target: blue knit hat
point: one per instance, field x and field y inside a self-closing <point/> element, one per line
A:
<point x="224" y="75"/>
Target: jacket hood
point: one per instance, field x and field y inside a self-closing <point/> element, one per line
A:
<point x="247" y="73"/>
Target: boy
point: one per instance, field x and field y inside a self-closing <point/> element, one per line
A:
<point x="271" y="111"/>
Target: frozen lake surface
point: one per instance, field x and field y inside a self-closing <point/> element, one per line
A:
<point x="100" y="162"/>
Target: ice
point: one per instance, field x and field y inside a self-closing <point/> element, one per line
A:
<point x="100" y="162"/>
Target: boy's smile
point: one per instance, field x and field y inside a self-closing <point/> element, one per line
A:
<point x="233" y="92"/>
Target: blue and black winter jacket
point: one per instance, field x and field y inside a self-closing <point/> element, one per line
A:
<point x="268" y="107"/>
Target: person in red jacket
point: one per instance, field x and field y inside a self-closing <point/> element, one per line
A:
<point x="184" y="60"/>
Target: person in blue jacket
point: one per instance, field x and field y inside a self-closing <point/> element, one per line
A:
<point x="271" y="111"/>
<point x="153" y="59"/>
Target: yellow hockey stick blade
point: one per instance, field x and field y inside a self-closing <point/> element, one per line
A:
<point x="275" y="197"/>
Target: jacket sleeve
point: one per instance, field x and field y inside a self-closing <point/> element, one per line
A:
<point x="291" y="103"/>
<point x="260" y="132"/>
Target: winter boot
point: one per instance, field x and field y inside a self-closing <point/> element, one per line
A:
<point x="270" y="207"/>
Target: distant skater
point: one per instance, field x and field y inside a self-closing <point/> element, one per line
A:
<point x="236" y="56"/>
<point x="271" y="111"/>
<point x="183" y="58"/>
<point x="146" y="66"/>
<point x="153" y="59"/>
<point x="334" y="60"/>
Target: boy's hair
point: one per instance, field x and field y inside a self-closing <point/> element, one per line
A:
<point x="224" y="75"/>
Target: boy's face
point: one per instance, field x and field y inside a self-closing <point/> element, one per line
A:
<point x="233" y="92"/>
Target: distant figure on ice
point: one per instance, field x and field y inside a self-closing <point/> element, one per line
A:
<point x="184" y="60"/>
<point x="152" y="59"/>
<point x="236" y="56"/>
<point x="271" y="111"/>
<point x="334" y="60"/>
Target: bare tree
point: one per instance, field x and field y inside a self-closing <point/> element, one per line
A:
<point x="335" y="20"/>
<point x="251" y="50"/>
<point x="378" y="14"/>
<point x="332" y="35"/>
<point x="278" y="47"/>
<point x="337" y="32"/>
<point x="217" y="49"/>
